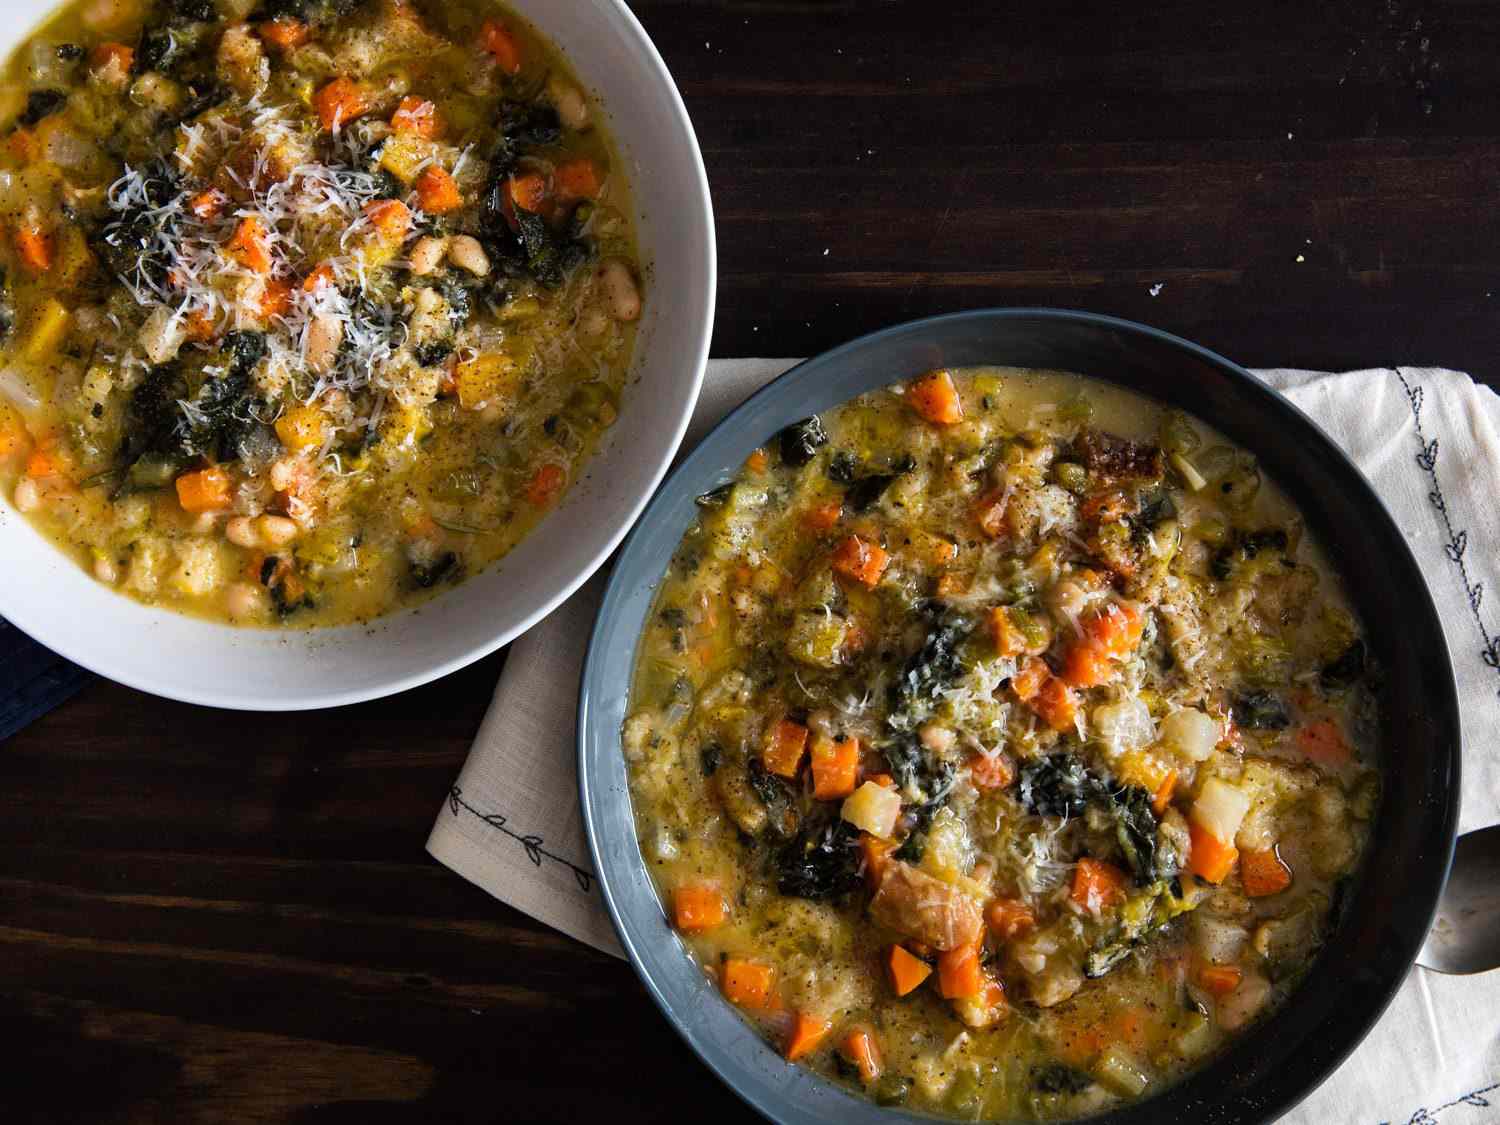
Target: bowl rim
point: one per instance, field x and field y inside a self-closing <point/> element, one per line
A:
<point x="1445" y="818"/>
<point x="140" y="677"/>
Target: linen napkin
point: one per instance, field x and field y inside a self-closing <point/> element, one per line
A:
<point x="1428" y="439"/>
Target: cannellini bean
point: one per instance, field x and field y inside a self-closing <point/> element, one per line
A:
<point x="162" y="334"/>
<point x="242" y="62"/>
<point x="568" y="100"/>
<point x="283" y="473"/>
<point x="466" y="253"/>
<point x="622" y="298"/>
<point x="321" y="343"/>
<point x="243" y="600"/>
<point x="105" y="570"/>
<point x="937" y="738"/>
<point x="276" y="531"/>
<point x="28" y="496"/>
<point x="593" y="322"/>
<point x="106" y="15"/>
<point x="205" y="523"/>
<point x="241" y="532"/>
<point x="427" y="254"/>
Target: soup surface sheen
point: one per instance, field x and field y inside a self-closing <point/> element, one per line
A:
<point x="1001" y="744"/>
<point x="310" y="307"/>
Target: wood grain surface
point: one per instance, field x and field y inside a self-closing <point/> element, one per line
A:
<point x="209" y="917"/>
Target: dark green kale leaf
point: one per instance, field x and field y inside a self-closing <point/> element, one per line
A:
<point x="710" y="758"/>
<point x="1246" y="545"/>
<point x="1344" y="671"/>
<point x="1059" y="1078"/>
<point x="1135" y="829"/>
<point x="800" y="442"/>
<point x="866" y="491"/>
<point x="1260" y="710"/>
<point x="1058" y="785"/>
<point x="715" y="497"/>
<point x="427" y="575"/>
<point x="40" y="104"/>
<point x="822" y="862"/>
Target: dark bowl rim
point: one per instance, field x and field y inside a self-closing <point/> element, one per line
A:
<point x="1275" y="401"/>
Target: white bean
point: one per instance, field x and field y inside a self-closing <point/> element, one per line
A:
<point x="242" y="600"/>
<point x="594" y="322"/>
<point x="162" y="334"/>
<point x="466" y="253"/>
<point x="28" y="495"/>
<point x="621" y="296"/>
<point x="206" y="522"/>
<point x="321" y="343"/>
<point x="568" y="100"/>
<point x="427" y="254"/>
<point x="276" y="531"/>
<point x="241" y="532"/>
<point x="105" y="570"/>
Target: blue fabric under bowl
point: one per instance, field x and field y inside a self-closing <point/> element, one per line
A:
<point x="1382" y="919"/>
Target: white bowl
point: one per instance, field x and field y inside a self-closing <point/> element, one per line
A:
<point x="50" y="597"/>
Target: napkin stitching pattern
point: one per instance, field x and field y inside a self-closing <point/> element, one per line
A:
<point x="1458" y="541"/>
<point x="1475" y="1098"/>
<point x="530" y="842"/>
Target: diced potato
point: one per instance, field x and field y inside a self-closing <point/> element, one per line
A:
<point x="873" y="809"/>
<point x="1122" y="1072"/>
<point x="1190" y="732"/>
<point x="1221" y="807"/>
<point x="488" y="377"/>
<point x="816" y="638"/>
<point x="301" y="427"/>
<point x="198" y="568"/>
<point x="949" y="852"/>
<point x="403" y="156"/>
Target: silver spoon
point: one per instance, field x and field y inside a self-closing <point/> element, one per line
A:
<point x="1465" y="935"/>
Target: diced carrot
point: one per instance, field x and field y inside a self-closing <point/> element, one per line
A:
<point x="390" y="217"/>
<point x="35" y="248"/>
<point x="275" y="298"/>
<point x="884" y="780"/>
<point x="1128" y="1027"/>
<point x="861" y="561"/>
<point x="576" y="179"/>
<point x="860" y="1051"/>
<point x="1029" y="678"/>
<point x="834" y="767"/>
<point x="1115" y="628"/>
<point x="1220" y="980"/>
<point x="758" y="461"/>
<point x="959" y="973"/>
<point x="497" y="39"/>
<point x="1010" y="918"/>
<point x="544" y="485"/>
<point x="990" y="771"/>
<point x="207" y="204"/>
<point x="339" y="102"/>
<point x="23" y="144"/>
<point x="251" y="244"/>
<point x="206" y="490"/>
<point x="437" y="192"/>
<point x="107" y="55"/>
<point x="1109" y="506"/>
<point x="876" y="853"/>
<point x="785" y="744"/>
<point x="528" y="191"/>
<point x="1098" y="885"/>
<point x="698" y="907"/>
<point x="823" y="517"/>
<point x="1085" y="666"/>
<point x="284" y="32"/>
<point x="935" y="398"/>
<point x="1056" y="704"/>
<point x="321" y="275"/>
<point x="1163" y="795"/>
<point x="42" y="464"/>
<point x="1209" y="858"/>
<point x="417" y="117"/>
<point x="950" y="585"/>
<point x="1264" y="872"/>
<point x="907" y="971"/>
<point x="1007" y="637"/>
<point x="808" y="1031"/>
<point x="1324" y="742"/>
<point x="989" y="511"/>
<point x="200" y="325"/>
<point x="748" y="983"/>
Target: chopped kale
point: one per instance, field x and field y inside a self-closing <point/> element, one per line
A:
<point x="42" y="103"/>
<point x="130" y="246"/>
<point x="912" y="849"/>
<point x="460" y="306"/>
<point x="866" y="491"/>
<point x="715" y="497"/>
<point x="245" y="349"/>
<point x="912" y="694"/>
<point x="1061" y="785"/>
<point x="1135" y="829"/>
<point x="70" y="52"/>
<point x="427" y="575"/>
<point x="203" y="95"/>
<point x="800" y="441"/>
<point x="200" y="11"/>
<point x="842" y="467"/>
<point x="780" y="801"/>
<point x="1101" y="961"/>
<point x="1059" y="1078"/>
<point x="822" y="862"/>
<point x="151" y="415"/>
<point x="1247" y="545"/>
<point x="1261" y="710"/>
<point x="710" y="758"/>
<point x="1058" y="785"/>
<point x="1344" y="671"/>
<point x="433" y="353"/>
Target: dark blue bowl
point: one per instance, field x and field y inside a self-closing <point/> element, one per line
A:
<point x="1382" y="920"/>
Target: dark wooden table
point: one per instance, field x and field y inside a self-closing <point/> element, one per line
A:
<point x="208" y="917"/>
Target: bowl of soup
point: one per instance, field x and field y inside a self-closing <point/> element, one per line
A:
<point x="341" y="341"/>
<point x="1006" y="716"/>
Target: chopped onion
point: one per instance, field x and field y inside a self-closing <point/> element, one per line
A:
<point x="1221" y="808"/>
<point x="1191" y="732"/>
